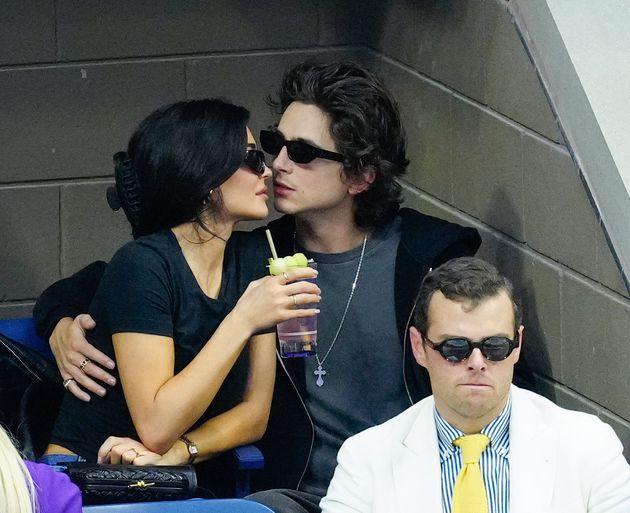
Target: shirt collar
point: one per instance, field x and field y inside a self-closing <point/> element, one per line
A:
<point x="498" y="431"/>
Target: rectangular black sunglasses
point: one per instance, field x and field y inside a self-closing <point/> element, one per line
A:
<point x="255" y="160"/>
<point x="458" y="349"/>
<point x="299" y="152"/>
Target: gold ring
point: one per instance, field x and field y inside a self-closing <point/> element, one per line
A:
<point x="286" y="278"/>
<point x="136" y="451"/>
<point x="294" y="301"/>
<point x="66" y="382"/>
<point x="85" y="361"/>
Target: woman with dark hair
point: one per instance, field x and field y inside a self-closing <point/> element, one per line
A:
<point x="176" y="309"/>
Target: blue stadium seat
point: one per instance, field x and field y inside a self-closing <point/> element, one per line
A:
<point x="188" y="506"/>
<point x="23" y="331"/>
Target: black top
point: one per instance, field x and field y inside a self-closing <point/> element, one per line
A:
<point x="149" y="288"/>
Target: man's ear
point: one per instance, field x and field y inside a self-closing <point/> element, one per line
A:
<point x="363" y="182"/>
<point x="519" y="335"/>
<point x="417" y="346"/>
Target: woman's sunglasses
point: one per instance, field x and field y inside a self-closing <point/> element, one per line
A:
<point x="456" y="350"/>
<point x="299" y="152"/>
<point x="255" y="160"/>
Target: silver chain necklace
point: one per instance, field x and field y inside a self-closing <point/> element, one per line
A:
<point x="320" y="372"/>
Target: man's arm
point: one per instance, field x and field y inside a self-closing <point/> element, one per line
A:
<point x="67" y="298"/>
<point x="609" y="474"/>
<point x="60" y="319"/>
<point x="351" y="489"/>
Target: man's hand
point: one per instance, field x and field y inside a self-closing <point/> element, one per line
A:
<point x="78" y="360"/>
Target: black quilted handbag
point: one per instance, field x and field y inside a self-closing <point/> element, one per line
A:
<point x="106" y="484"/>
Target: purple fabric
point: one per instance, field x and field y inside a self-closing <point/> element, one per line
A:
<point x="55" y="492"/>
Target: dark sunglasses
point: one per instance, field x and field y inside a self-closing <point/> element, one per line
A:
<point x="255" y="160"/>
<point x="299" y="152"/>
<point x="456" y="350"/>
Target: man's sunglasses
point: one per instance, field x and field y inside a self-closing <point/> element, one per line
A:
<point x="456" y="350"/>
<point x="255" y="160"/>
<point x="299" y="152"/>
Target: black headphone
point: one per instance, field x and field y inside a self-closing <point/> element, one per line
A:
<point x="126" y="193"/>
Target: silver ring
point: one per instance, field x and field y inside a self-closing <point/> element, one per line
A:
<point x="85" y="361"/>
<point x="286" y="278"/>
<point x="294" y="301"/>
<point x="66" y="382"/>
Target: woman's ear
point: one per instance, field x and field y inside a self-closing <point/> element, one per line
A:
<point x="362" y="182"/>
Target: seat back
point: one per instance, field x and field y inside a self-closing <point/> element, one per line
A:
<point x="187" y="506"/>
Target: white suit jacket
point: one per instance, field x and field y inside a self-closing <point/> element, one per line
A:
<point x="561" y="461"/>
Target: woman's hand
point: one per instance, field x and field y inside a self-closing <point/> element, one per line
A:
<point x="117" y="451"/>
<point x="78" y="360"/>
<point x="272" y="299"/>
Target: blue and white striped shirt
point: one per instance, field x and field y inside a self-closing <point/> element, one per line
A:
<point x="494" y="462"/>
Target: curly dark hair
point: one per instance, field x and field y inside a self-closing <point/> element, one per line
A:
<point x="365" y="126"/>
<point x="463" y="279"/>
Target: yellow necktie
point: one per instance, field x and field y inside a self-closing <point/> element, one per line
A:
<point x="469" y="495"/>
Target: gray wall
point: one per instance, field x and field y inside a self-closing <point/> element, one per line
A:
<point x="76" y="77"/>
<point x="486" y="151"/>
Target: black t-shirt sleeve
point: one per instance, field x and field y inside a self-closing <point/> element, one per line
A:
<point x="67" y="298"/>
<point x="136" y="292"/>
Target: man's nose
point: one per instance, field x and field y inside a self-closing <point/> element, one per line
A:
<point x="282" y="162"/>
<point x="476" y="360"/>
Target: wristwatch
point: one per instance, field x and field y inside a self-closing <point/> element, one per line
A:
<point x="193" y="450"/>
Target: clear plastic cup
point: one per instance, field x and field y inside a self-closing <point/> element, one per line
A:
<point x="298" y="337"/>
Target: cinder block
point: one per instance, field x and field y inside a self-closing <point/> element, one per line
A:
<point x="414" y="198"/>
<point x="487" y="171"/>
<point x="442" y="39"/>
<point x="27" y="29"/>
<point x="349" y="23"/>
<point x="90" y="230"/>
<point x="567" y="398"/>
<point x="248" y="79"/>
<point x="608" y="272"/>
<point x="595" y="342"/>
<point x="68" y="121"/>
<point x="511" y="85"/>
<point x="559" y="220"/>
<point x="16" y="310"/>
<point x="622" y="429"/>
<point x="425" y="110"/>
<point x="119" y="28"/>
<point x="29" y="260"/>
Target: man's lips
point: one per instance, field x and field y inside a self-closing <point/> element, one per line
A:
<point x="281" y="189"/>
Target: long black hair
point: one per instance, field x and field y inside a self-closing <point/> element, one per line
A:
<point x="174" y="160"/>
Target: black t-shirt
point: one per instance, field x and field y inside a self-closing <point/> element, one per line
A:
<point x="149" y="288"/>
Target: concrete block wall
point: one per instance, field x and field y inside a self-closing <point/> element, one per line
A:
<point x="486" y="151"/>
<point x="77" y="77"/>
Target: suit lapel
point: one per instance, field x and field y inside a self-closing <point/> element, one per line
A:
<point x="416" y="467"/>
<point x="533" y="462"/>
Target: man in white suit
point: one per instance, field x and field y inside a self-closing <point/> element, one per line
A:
<point x="540" y="458"/>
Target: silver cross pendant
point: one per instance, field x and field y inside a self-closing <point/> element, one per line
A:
<point x="320" y="373"/>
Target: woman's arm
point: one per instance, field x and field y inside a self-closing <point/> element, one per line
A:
<point x="164" y="405"/>
<point x="243" y="424"/>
